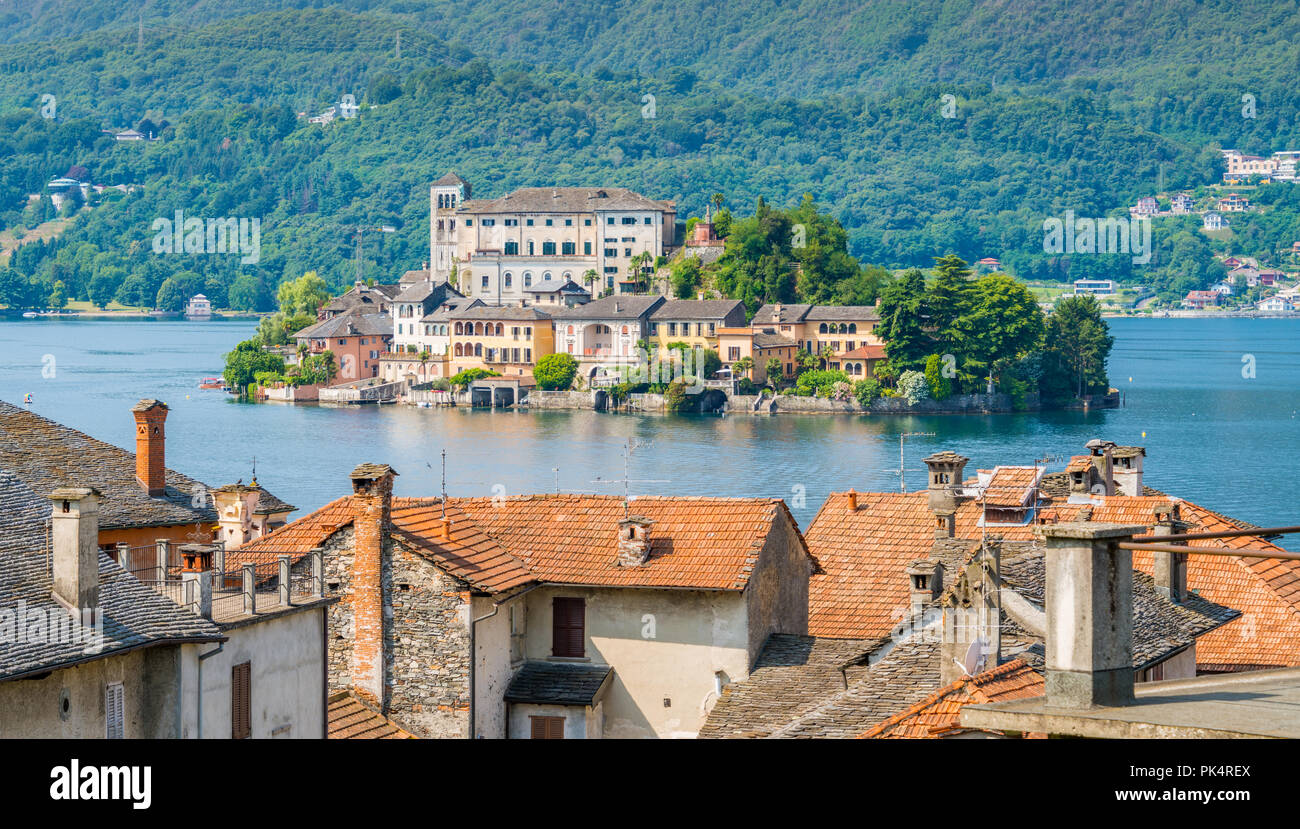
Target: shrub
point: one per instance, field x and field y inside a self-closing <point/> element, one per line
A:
<point x="469" y="375"/>
<point x="912" y="387"/>
<point x="940" y="386"/>
<point x="555" y="371"/>
<point x="866" y="391"/>
<point x="676" y="399"/>
<point x="819" y="382"/>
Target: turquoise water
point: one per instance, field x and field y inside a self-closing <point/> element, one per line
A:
<point x="1212" y="435"/>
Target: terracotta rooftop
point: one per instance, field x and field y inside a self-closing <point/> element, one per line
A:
<point x="1012" y="486"/>
<point x="939" y="715"/>
<point x="499" y="544"/>
<point x="564" y="200"/>
<point x="351" y="719"/>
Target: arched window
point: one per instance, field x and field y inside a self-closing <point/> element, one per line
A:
<point x="625" y="330"/>
<point x="546" y="277"/>
<point x="478" y="329"/>
<point x="459" y="329"/>
<point x="528" y="279"/>
<point x="822" y="329"/>
<point x="458" y="352"/>
<point x="500" y="330"/>
<point x="853" y="328"/>
<point x="570" y="330"/>
<point x="509" y="280"/>
<point x="478" y="350"/>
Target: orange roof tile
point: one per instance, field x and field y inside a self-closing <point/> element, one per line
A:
<point x="497" y="544"/>
<point x="706" y="543"/>
<point x="1079" y="463"/>
<point x="941" y="711"/>
<point x="1265" y="590"/>
<point x="1011" y="486"/>
<point x="351" y="719"/>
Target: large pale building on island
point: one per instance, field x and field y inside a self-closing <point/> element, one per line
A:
<point x="501" y="249"/>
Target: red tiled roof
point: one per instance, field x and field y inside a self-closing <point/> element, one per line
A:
<point x="865" y="352"/>
<point x="940" y="712"/>
<point x="1011" y="486"/>
<point x="705" y="543"/>
<point x="1079" y="463"/>
<point x="498" y="544"/>
<point x="351" y="719"/>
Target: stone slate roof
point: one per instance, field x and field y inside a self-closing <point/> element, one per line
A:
<point x="503" y="312"/>
<point x="625" y="307"/>
<point x="46" y="455"/>
<point x="1160" y="627"/>
<point x="424" y="289"/>
<point x="730" y="311"/>
<point x="349" y="325"/>
<point x="557" y="683"/>
<point x="449" y="179"/>
<point x="762" y="339"/>
<point x="554" y="286"/>
<point x="837" y="313"/>
<point x="444" y="311"/>
<point x="348" y="718"/>
<point x="792" y="673"/>
<point x="135" y="616"/>
<point x="565" y="200"/>
<point x="766" y="314"/>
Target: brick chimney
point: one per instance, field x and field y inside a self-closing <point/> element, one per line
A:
<point x="372" y="502"/>
<point x="1170" y="568"/>
<point x="1089" y="607"/>
<point x="633" y="541"/>
<point x="945" y="471"/>
<point x="74" y="537"/>
<point x="150" y="440"/>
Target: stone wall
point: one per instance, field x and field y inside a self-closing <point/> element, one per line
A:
<point x="538" y="399"/>
<point x="958" y="404"/>
<point x="426" y="636"/>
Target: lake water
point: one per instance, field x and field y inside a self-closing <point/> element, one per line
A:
<point x="1212" y="435"/>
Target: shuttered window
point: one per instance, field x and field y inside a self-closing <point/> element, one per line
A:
<point x="568" y="623"/>
<point x="241" y="719"/>
<point x="548" y="728"/>
<point x="114" y="714"/>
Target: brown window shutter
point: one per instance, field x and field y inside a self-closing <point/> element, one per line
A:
<point x="241" y="722"/>
<point x="547" y="728"/>
<point x="568" y="627"/>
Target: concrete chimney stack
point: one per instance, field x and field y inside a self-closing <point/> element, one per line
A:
<point x="372" y="501"/>
<point x="150" y="442"/>
<point x="1089" y="608"/>
<point x="1170" y="568"/>
<point x="74" y="537"/>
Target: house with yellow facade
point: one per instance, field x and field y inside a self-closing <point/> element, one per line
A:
<point x="829" y="331"/>
<point x="508" y="340"/>
<point x="695" y="322"/>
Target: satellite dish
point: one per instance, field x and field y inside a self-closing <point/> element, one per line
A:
<point x="974" y="661"/>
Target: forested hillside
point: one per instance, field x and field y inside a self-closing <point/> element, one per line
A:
<point x="748" y="102"/>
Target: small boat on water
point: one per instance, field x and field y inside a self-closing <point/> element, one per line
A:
<point x="212" y="383"/>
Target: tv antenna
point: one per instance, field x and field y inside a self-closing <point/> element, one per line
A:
<point x="629" y="447"/>
<point x="902" y="465"/>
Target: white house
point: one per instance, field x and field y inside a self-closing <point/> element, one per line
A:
<point x="1214" y="221"/>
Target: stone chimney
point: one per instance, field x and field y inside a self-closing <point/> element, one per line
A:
<point x="372" y="502"/>
<point x="945" y="476"/>
<point x="633" y="541"/>
<point x="1170" y="568"/>
<point x="924" y="584"/>
<point x="1103" y="463"/>
<point x="150" y="442"/>
<point x="972" y="618"/>
<point x="1089" y="607"/>
<point x="74" y="537"/>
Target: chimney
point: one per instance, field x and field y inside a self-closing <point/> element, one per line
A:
<point x="150" y="439"/>
<point x="1089" y="607"/>
<point x="945" y="476"/>
<point x="1127" y="469"/>
<point x="74" y="536"/>
<point x="776" y="312"/>
<point x="853" y="501"/>
<point x="924" y="584"/>
<point x="236" y="505"/>
<point x="972" y="616"/>
<point x="633" y="541"/>
<point x="1170" y="568"/>
<point x="372" y="502"/>
<point x="1104" y="463"/>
